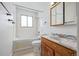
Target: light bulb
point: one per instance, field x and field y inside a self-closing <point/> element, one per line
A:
<point x="52" y="3"/>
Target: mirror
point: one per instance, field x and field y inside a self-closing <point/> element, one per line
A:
<point x="70" y="13"/>
<point x="56" y="14"/>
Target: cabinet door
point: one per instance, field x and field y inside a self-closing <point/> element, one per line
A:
<point x="70" y="13"/>
<point x="42" y="50"/>
<point x="49" y="51"/>
<point x="46" y="51"/>
<point x="57" y="54"/>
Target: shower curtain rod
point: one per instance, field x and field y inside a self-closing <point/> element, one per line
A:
<point x="8" y="13"/>
<point x="28" y="8"/>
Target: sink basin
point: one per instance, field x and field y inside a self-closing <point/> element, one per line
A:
<point x="55" y="38"/>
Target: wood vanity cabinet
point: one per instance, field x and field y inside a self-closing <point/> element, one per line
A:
<point x="46" y="50"/>
<point x="50" y="48"/>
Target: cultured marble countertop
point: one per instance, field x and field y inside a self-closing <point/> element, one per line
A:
<point x="69" y="43"/>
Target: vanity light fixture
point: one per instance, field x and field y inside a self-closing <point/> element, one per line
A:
<point x="51" y="3"/>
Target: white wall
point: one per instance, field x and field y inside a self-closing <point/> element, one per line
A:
<point x="45" y="28"/>
<point x="33" y="5"/>
<point x="44" y="16"/>
<point x="26" y="32"/>
<point x="39" y="7"/>
<point x="11" y="7"/>
<point x="78" y="25"/>
<point x="6" y="30"/>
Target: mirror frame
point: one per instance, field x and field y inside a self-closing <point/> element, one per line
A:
<point x="53" y="6"/>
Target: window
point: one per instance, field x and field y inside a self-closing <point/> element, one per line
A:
<point x="29" y="21"/>
<point x="23" y="21"/>
<point x="26" y="21"/>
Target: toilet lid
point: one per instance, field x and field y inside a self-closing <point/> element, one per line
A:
<point x="36" y="41"/>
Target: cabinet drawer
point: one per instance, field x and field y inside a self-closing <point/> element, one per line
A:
<point x="64" y="51"/>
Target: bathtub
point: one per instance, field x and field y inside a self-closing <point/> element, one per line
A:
<point x="22" y="45"/>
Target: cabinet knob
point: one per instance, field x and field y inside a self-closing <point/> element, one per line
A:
<point x="55" y="46"/>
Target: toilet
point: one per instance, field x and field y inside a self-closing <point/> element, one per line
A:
<point x="36" y="47"/>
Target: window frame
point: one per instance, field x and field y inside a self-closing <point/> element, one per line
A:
<point x="27" y="21"/>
